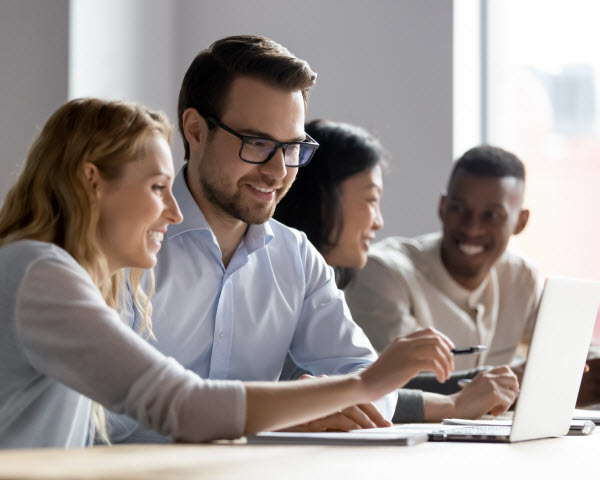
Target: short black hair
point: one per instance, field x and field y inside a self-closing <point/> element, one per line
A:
<point x="489" y="161"/>
<point x="313" y="203"/>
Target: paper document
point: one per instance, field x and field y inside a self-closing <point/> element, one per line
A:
<point x="339" y="438"/>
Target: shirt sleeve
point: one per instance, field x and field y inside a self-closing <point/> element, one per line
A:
<point x="410" y="407"/>
<point x="326" y="340"/>
<point x="380" y="304"/>
<point x="69" y="333"/>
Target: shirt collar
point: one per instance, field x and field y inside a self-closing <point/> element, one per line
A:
<point x="193" y="218"/>
<point x="256" y="237"/>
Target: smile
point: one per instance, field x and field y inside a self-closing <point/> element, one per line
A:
<point x="470" y="250"/>
<point x="264" y="190"/>
<point x="158" y="236"/>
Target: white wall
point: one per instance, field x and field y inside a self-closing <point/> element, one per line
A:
<point x="123" y="49"/>
<point x="386" y="65"/>
<point x="33" y="75"/>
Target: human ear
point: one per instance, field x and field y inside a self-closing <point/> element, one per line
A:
<point x="195" y="128"/>
<point x="442" y="206"/>
<point x="521" y="222"/>
<point x="92" y="175"/>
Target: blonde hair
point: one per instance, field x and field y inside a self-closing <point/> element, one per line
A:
<point x="53" y="201"/>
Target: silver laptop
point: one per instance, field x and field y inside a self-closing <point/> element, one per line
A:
<point x="555" y="363"/>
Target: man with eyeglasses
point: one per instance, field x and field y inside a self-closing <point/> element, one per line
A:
<point x="235" y="290"/>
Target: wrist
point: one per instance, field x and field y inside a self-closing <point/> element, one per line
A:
<point x="438" y="407"/>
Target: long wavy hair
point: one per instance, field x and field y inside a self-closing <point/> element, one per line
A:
<point x="52" y="200"/>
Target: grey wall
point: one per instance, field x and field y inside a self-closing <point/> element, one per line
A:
<point x="33" y="75"/>
<point x="386" y="65"/>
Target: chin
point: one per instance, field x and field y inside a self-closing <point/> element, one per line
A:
<point x="147" y="262"/>
<point x="361" y="263"/>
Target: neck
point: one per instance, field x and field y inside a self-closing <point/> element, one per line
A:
<point x="228" y="231"/>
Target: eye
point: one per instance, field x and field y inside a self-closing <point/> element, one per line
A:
<point x="493" y="216"/>
<point x="456" y="208"/>
<point x="158" y="187"/>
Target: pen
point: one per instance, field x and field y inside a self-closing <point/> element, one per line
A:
<point x="467" y="350"/>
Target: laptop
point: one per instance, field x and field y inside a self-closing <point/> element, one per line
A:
<point x="555" y="363"/>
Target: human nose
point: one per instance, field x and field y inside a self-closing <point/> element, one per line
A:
<point x="378" y="220"/>
<point x="172" y="209"/>
<point x="471" y="224"/>
<point x="275" y="167"/>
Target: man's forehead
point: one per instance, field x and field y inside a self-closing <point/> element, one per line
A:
<point x="465" y="183"/>
<point x="258" y="106"/>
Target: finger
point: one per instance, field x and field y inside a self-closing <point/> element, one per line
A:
<point x="445" y="358"/>
<point x="374" y="415"/>
<point x="420" y="333"/>
<point x="358" y="416"/>
<point x="502" y="406"/>
<point x="507" y="382"/>
<point x="434" y="366"/>
<point x="305" y="376"/>
<point x="449" y="343"/>
<point x="314" y="426"/>
<point x="431" y="349"/>
<point x="337" y="421"/>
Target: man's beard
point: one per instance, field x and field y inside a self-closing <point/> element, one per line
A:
<point x="234" y="207"/>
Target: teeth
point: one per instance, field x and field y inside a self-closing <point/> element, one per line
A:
<point x="470" y="249"/>
<point x="265" y="190"/>
<point x="156" y="236"/>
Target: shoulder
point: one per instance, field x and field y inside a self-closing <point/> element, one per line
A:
<point x="24" y="253"/>
<point x="516" y="270"/>
<point x="292" y="247"/>
<point x="403" y="253"/>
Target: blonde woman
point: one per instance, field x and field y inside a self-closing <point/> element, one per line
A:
<point x="94" y="197"/>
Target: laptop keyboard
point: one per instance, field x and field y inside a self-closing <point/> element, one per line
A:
<point x="485" y="430"/>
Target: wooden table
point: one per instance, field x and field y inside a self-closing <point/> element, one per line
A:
<point x="550" y="458"/>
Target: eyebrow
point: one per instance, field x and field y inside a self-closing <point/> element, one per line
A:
<point x="159" y="173"/>
<point x="372" y="185"/>
<point x="493" y="205"/>
<point x="257" y="133"/>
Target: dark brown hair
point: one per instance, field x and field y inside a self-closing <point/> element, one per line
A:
<point x="208" y="79"/>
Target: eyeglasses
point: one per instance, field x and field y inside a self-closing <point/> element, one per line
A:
<point x="261" y="150"/>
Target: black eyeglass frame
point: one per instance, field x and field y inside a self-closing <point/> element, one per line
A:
<point x="283" y="145"/>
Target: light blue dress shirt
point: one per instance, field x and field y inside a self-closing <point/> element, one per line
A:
<point x="277" y="295"/>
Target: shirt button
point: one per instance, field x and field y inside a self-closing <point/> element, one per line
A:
<point x="221" y="335"/>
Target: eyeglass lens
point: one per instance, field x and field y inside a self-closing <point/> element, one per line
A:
<point x="257" y="150"/>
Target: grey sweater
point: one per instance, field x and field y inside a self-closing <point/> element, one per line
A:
<point x="61" y="345"/>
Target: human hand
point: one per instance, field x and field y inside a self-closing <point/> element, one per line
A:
<point x="518" y="369"/>
<point x="589" y="391"/>
<point x="493" y="391"/>
<point x="356" y="417"/>
<point x="424" y="351"/>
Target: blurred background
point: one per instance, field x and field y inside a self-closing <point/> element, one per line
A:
<point x="431" y="78"/>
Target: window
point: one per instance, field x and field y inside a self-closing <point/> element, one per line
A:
<point x="539" y="78"/>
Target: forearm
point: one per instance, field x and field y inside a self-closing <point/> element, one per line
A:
<point x="437" y="407"/>
<point x="272" y="406"/>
